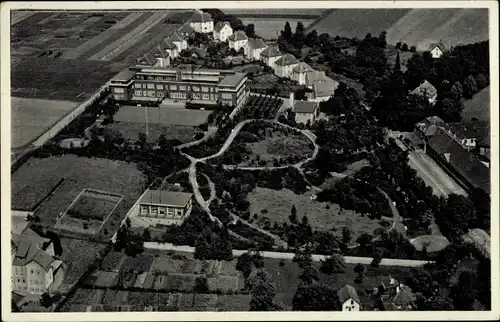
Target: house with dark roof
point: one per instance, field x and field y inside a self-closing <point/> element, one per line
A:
<point x="33" y="261"/>
<point x="300" y="71"/>
<point x="269" y="55"/>
<point x="470" y="134"/>
<point x="164" y="207"/>
<point x="284" y="66"/>
<point x="323" y="90"/>
<point x="426" y="128"/>
<point x="179" y="41"/>
<point x="237" y="40"/>
<point x="427" y="91"/>
<point x="170" y="47"/>
<point x="348" y="298"/>
<point x="313" y="76"/>
<point x="186" y="31"/>
<point x="202" y="22"/>
<point x="222" y="30"/>
<point x="254" y="48"/>
<point x="400" y="298"/>
<point x="305" y="112"/>
<point x="437" y="49"/>
<point x="460" y="164"/>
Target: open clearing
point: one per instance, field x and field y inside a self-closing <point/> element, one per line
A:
<point x="131" y="130"/>
<point x="80" y="173"/>
<point x="418" y="27"/>
<point x="279" y="203"/>
<point x="162" y="115"/>
<point x="270" y="28"/>
<point x="30" y="118"/>
<point x="478" y="107"/>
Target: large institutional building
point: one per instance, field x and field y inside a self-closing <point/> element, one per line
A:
<point x="184" y="82"/>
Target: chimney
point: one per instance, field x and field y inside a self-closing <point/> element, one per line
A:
<point x="292" y="101"/>
<point x="447" y="157"/>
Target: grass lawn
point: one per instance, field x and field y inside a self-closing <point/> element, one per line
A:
<point x="434" y="243"/>
<point x="80" y="172"/>
<point x="269" y="28"/>
<point x="162" y="115"/>
<point x="32" y="117"/>
<point x="131" y="130"/>
<point x="25" y="197"/>
<point x="356" y="166"/>
<point x="279" y="203"/>
<point x="478" y="106"/>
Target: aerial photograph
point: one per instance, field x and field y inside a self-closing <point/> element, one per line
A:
<point x="225" y="159"/>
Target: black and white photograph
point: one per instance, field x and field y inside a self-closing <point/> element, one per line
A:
<point x="283" y="156"/>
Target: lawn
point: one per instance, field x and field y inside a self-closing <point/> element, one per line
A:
<point x="278" y="204"/>
<point x="269" y="28"/>
<point x="131" y="130"/>
<point x="116" y="177"/>
<point x="478" y="107"/>
<point x="162" y="115"/>
<point x="32" y="117"/>
<point x="25" y="197"/>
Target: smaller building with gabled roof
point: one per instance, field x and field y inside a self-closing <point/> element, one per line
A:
<point x="186" y="31"/>
<point x="300" y="71"/>
<point x="284" y="66"/>
<point x="253" y="48"/>
<point x="437" y="49"/>
<point x="427" y="91"/>
<point x="237" y="40"/>
<point x="202" y="22"/>
<point x="222" y="30"/>
<point x="348" y="298"/>
<point x="269" y="55"/>
<point x="179" y="41"/>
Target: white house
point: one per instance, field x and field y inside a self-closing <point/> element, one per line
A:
<point x="254" y="48"/>
<point x="322" y="90"/>
<point x="437" y="49"/>
<point x="179" y="42"/>
<point x="427" y="91"/>
<point x="283" y="67"/>
<point x="222" y="30"/>
<point x="238" y="40"/>
<point x="202" y="22"/>
<point x="270" y="55"/>
<point x="156" y="57"/>
<point x="299" y="72"/>
<point x="305" y="112"/>
<point x="349" y="299"/>
<point x="33" y="262"/>
<point x="171" y="48"/>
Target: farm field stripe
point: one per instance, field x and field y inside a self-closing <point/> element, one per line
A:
<point x="132" y="38"/>
<point x="127" y="20"/>
<point x="83" y="50"/>
<point x="18" y="16"/>
<point x="49" y="18"/>
<point x="34" y="18"/>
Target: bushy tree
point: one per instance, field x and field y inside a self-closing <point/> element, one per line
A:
<point x="201" y="285"/>
<point x="470" y="87"/>
<point x="315" y="297"/>
<point x="263" y="292"/>
<point x="333" y="264"/>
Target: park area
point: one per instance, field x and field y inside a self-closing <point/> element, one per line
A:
<point x="321" y="215"/>
<point x="478" y="108"/>
<point x="89" y="211"/>
<point x="116" y="177"/>
<point x="30" y="118"/>
<point x="131" y="130"/>
<point x="164" y="114"/>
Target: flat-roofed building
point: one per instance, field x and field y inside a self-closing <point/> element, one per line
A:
<point x="184" y="82"/>
<point x="165" y="207"/>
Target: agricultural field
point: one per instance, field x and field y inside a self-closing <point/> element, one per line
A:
<point x="416" y="27"/>
<point x="131" y="130"/>
<point x="79" y="173"/>
<point x="321" y="215"/>
<point x="30" y="118"/>
<point x="273" y="12"/>
<point x="270" y="28"/>
<point x="162" y="115"/>
<point x="478" y="107"/>
<point x="89" y="211"/>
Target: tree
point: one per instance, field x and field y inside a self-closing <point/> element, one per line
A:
<point x="299" y="36"/>
<point x="128" y="222"/>
<point x="162" y="141"/>
<point x="470" y="87"/>
<point x="451" y="110"/>
<point x="404" y="47"/>
<point x="303" y="257"/>
<point x="142" y="138"/>
<point x="201" y="248"/>
<point x="457" y="91"/>
<point x="364" y="241"/>
<point x="250" y="30"/>
<point x="333" y="264"/>
<point x="146" y="235"/>
<point x="397" y="64"/>
<point x="377" y="258"/>
<point x="244" y="264"/>
<point x="382" y="39"/>
<point x="359" y="269"/>
<point x="481" y="81"/>
<point x="262" y="292"/>
<point x="46" y="300"/>
<point x="398" y="45"/>
<point x="293" y="215"/>
<point x="464" y="292"/>
<point x="413" y="49"/>
<point x="346" y="236"/>
<point x="287" y="32"/>
<point x="455" y="217"/>
<point x="308" y="275"/>
<point x="315" y="297"/>
<point x="201" y="285"/>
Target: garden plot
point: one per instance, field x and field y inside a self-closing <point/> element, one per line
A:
<point x="89" y="211"/>
<point x="131" y="130"/>
<point x="162" y="115"/>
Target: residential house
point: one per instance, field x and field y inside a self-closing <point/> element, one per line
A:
<point x="179" y="42"/>
<point x="322" y="90"/>
<point x="254" y="48"/>
<point x="425" y="129"/>
<point x="186" y="31"/>
<point x="165" y="207"/>
<point x="348" y="298"/>
<point x="197" y="53"/>
<point x="427" y="91"/>
<point x="33" y="263"/>
<point x="157" y="57"/>
<point x="222" y="30"/>
<point x="437" y="49"/>
<point x="202" y="22"/>
<point x="171" y="48"/>
<point x="283" y="67"/>
<point x="313" y="76"/>
<point x="237" y="40"/>
<point x="270" y="55"/>
<point x="460" y="164"/>
<point x="400" y="298"/>
<point x="300" y="71"/>
<point x="305" y="112"/>
<point x="469" y="134"/>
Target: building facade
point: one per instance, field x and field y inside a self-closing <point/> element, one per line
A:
<point x="179" y="41"/>
<point x="427" y="91"/>
<point x="184" y="82"/>
<point x="437" y="50"/>
<point x="238" y="40"/>
<point x="165" y="207"/>
<point x="202" y="22"/>
<point x="270" y="55"/>
<point x="254" y="48"/>
<point x="300" y="71"/>
<point x="284" y="66"/>
<point x="348" y="298"/>
<point x="222" y="31"/>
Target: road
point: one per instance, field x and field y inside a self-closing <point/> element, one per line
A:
<point x="289" y="256"/>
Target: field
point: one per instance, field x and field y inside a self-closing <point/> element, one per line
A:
<point x="89" y="211"/>
<point x="162" y="115"/>
<point x="278" y="203"/>
<point x="418" y="27"/>
<point x="131" y="130"/>
<point x="274" y="11"/>
<point x="478" y="107"/>
<point x="30" y="118"/>
<point x="79" y="173"/>
<point x="391" y="54"/>
<point x="270" y="28"/>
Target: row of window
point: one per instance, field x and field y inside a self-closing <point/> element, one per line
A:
<point x="155" y="211"/>
<point x="194" y="88"/>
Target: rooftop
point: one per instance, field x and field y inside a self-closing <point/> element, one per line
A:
<point x="347" y="293"/>
<point x="404" y="297"/>
<point x="168" y="44"/>
<point x="465" y="130"/>
<point x="201" y="17"/>
<point x="124" y="76"/>
<point x="305" y="107"/>
<point x="31" y="247"/>
<point x="233" y="80"/>
<point x="220" y="24"/>
<point x="186" y="29"/>
<point x="256" y="43"/>
<point x="440" y="45"/>
<point x="425" y="89"/>
<point x="286" y="60"/>
<point x="314" y="76"/>
<point x="271" y="52"/>
<point x="302" y="68"/>
<point x="429" y="125"/>
<point x="325" y="87"/>
<point x="237" y="36"/>
<point x="162" y="197"/>
<point x="176" y="37"/>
